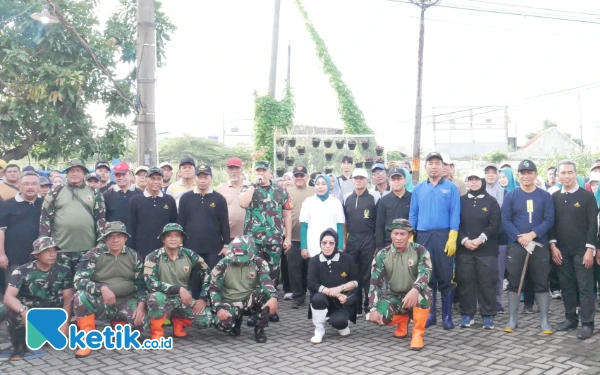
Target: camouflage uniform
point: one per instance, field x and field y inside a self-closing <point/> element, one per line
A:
<point x="163" y="298"/>
<point x="49" y="211"/>
<point x="88" y="298"/>
<point x="240" y="253"/>
<point x="264" y="222"/>
<point x="392" y="304"/>
<point x="38" y="288"/>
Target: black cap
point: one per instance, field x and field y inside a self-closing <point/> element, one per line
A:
<point x="155" y="170"/>
<point x="299" y="169"/>
<point x="432" y="155"/>
<point x="102" y="164"/>
<point x="187" y="160"/>
<point x="396" y="171"/>
<point x="527" y="165"/>
<point x="204" y="168"/>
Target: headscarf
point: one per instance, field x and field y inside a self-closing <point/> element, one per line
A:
<point x="333" y="233"/>
<point x="511" y="179"/>
<point x="495" y="190"/>
<point x="581" y="182"/>
<point x="335" y="192"/>
<point x="328" y="181"/>
<point x="409" y="182"/>
<point x="542" y="183"/>
<point x="480" y="191"/>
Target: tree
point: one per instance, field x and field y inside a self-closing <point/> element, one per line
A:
<point x="203" y="150"/>
<point x="48" y="79"/>
<point x="547" y="124"/>
<point x="494" y="157"/>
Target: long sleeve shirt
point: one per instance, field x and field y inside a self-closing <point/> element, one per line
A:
<point x="575" y="219"/>
<point x="479" y="216"/>
<point x="525" y="212"/>
<point x="435" y="206"/>
<point x="390" y="207"/>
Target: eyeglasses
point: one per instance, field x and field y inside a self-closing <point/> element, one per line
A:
<point x="379" y="173"/>
<point x="327" y="243"/>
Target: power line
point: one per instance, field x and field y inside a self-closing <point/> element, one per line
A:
<point x="507" y="12"/>
<point x="535" y="8"/>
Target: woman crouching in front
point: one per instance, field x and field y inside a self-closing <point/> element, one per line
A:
<point x="331" y="278"/>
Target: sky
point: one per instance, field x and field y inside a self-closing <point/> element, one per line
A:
<point x="220" y="55"/>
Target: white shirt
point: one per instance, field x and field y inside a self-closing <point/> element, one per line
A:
<point x="320" y="215"/>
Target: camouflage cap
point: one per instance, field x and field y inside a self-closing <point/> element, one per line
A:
<point x="76" y="163"/>
<point x="43" y="243"/>
<point x="400" y="224"/>
<point x="261" y="164"/>
<point x="170" y="228"/>
<point x="241" y="250"/>
<point x="114" y="227"/>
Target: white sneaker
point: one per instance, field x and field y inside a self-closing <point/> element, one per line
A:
<point x="504" y="284"/>
<point x="287" y="297"/>
<point x="344" y="332"/>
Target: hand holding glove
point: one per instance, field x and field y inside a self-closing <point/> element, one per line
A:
<point x="450" y="248"/>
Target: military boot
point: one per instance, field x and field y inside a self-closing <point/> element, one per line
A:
<point x="17" y="337"/>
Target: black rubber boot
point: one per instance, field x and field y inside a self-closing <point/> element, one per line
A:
<point x="237" y="328"/>
<point x="17" y="337"/>
<point x="259" y="335"/>
<point x="252" y="320"/>
<point x="274" y="318"/>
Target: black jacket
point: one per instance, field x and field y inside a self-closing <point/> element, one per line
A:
<point x="479" y="215"/>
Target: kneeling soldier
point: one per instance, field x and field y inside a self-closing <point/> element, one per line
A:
<point x="407" y="267"/>
<point x="167" y="273"/>
<point x="240" y="282"/>
<point x="110" y="284"/>
<point x="41" y="283"/>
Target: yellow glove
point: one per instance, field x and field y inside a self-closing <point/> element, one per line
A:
<point x="412" y="238"/>
<point x="450" y="248"/>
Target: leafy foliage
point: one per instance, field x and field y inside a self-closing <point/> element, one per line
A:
<point x="203" y="150"/>
<point x="47" y="80"/>
<point x="494" y="157"/>
<point x="351" y="115"/>
<point x="547" y="124"/>
<point x="584" y="158"/>
<point x="271" y="116"/>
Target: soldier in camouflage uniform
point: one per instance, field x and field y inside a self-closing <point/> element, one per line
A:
<point x="247" y="287"/>
<point x="407" y="267"/>
<point x="167" y="273"/>
<point x="41" y="283"/>
<point x="73" y="214"/>
<point x="268" y="212"/>
<point x="109" y="284"/>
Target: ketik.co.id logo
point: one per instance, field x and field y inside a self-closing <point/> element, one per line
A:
<point x="43" y="326"/>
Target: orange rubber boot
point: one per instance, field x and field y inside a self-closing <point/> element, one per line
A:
<point x="179" y="325"/>
<point x="419" y="320"/>
<point x="156" y="327"/>
<point x="85" y="324"/>
<point x="402" y="321"/>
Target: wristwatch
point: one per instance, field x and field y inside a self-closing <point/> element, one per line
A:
<point x="22" y="309"/>
<point x="343" y="287"/>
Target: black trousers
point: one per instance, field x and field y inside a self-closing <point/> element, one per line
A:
<point x="553" y="278"/>
<point x="538" y="267"/>
<point x="361" y="247"/>
<point x="297" y="271"/>
<point x="285" y="275"/>
<point x="596" y="278"/>
<point x="211" y="260"/>
<point x="528" y="294"/>
<point x="338" y="315"/>
<point x="576" y="280"/>
<point x="477" y="276"/>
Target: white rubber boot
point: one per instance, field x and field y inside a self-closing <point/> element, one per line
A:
<point x="318" y="317"/>
<point x="345" y="331"/>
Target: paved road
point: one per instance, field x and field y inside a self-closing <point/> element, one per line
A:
<point x="369" y="350"/>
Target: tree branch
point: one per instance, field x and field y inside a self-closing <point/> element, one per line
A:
<point x="22" y="150"/>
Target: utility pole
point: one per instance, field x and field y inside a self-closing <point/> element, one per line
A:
<point x="146" y="81"/>
<point x="416" y="161"/>
<point x="274" y="45"/>
<point x="580" y="125"/>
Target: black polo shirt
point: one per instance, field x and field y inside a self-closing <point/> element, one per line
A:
<point x="148" y="216"/>
<point x="360" y="212"/>
<point x="118" y="203"/>
<point x="22" y="222"/>
<point x="106" y="188"/>
<point x="205" y="219"/>
<point x="390" y="207"/>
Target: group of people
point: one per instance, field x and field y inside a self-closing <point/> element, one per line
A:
<point x="157" y="253"/>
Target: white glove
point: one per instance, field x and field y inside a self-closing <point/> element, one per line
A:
<point x="531" y="246"/>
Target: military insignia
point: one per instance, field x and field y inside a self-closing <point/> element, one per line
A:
<point x="411" y="262"/>
<point x="213" y="205"/>
<point x="344" y="274"/>
<point x="300" y="168"/>
<point x="366" y="214"/>
<point x="89" y="198"/>
<point x="166" y="206"/>
<point x="202" y="168"/>
<point x="577" y="204"/>
<point x="484" y="209"/>
<point x="186" y="269"/>
<point x="252" y="275"/>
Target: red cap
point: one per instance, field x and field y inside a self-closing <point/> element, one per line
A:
<point x="122" y="167"/>
<point x="234" y="162"/>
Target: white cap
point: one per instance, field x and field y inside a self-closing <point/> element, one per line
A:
<point x="474" y="173"/>
<point x="446" y="158"/>
<point x="595" y="176"/>
<point x="360" y="172"/>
